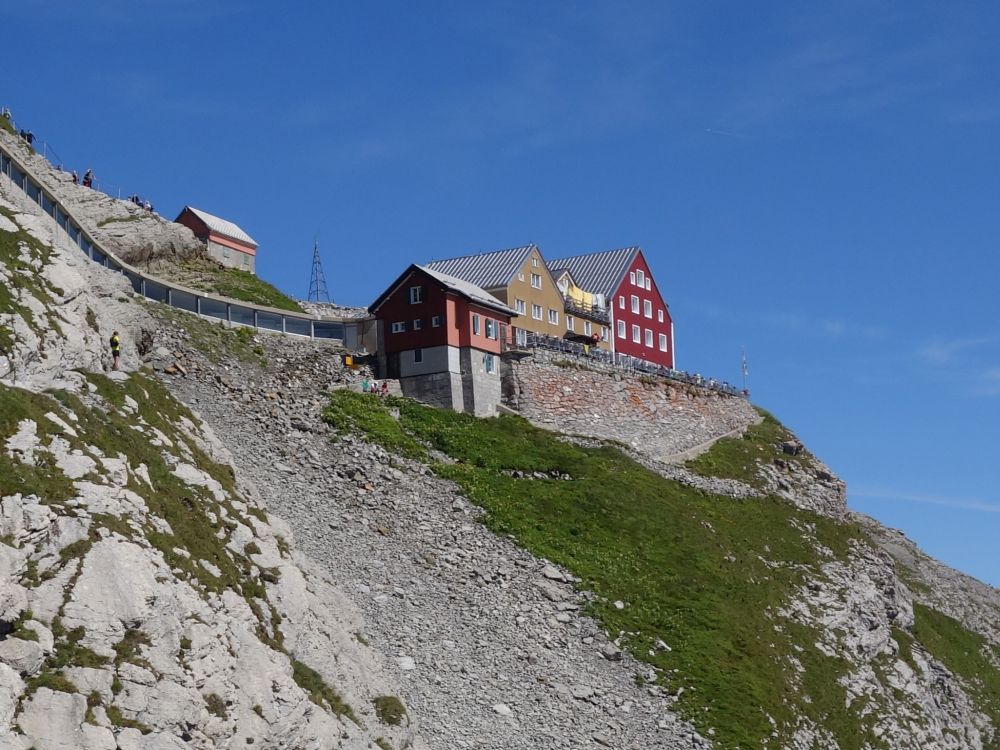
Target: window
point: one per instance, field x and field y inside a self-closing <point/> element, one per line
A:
<point x="636" y="333"/>
<point x="631" y="277"/>
<point x="647" y="308"/>
<point x="640" y="278"/>
<point x="588" y="329"/>
<point x="416" y="295"/>
<point x="648" y="285"/>
<point x="488" y="364"/>
<point x="399" y="327"/>
<point x="519" y="306"/>
<point x="475" y="325"/>
<point x="436" y="321"/>
<point x="536" y="281"/>
<point x="621" y="329"/>
<point x="663" y="342"/>
<point x="569" y="322"/>
<point x="225" y="251"/>
<point x="553" y="317"/>
<point x="491" y="328"/>
<point x="649" y="338"/>
<point x="534" y="262"/>
<point x="604" y="333"/>
<point x="659" y="315"/>
<point x="635" y="304"/>
<point x="521" y="336"/>
<point x="621" y="302"/>
<point x="418" y="356"/>
<point x="418" y="324"/>
<point x="520" y="277"/>
<point x="536" y="312"/>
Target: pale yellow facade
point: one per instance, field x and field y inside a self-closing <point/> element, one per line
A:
<point x="533" y="294"/>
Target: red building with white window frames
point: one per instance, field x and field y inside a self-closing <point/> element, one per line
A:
<point x="641" y="326"/>
<point x="441" y="337"/>
<point x="225" y="242"/>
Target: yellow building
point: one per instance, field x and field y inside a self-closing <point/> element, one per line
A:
<point x="585" y="313"/>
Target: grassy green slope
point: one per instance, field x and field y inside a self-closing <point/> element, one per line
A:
<point x="208" y="276"/>
<point x="705" y="574"/>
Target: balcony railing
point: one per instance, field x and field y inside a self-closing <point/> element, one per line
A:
<point x="590" y="312"/>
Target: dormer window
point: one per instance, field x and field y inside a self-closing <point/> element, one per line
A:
<point x="416" y="295"/>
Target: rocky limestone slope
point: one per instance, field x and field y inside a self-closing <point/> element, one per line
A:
<point x="146" y="598"/>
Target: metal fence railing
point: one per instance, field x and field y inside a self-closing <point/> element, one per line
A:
<point x="625" y="363"/>
<point x="160" y="290"/>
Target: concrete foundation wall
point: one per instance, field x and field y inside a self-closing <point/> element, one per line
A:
<point x="481" y="389"/>
<point x="232" y="258"/>
<point x="434" y="359"/>
<point x="659" y="417"/>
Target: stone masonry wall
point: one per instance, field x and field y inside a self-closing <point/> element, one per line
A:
<point x="660" y="418"/>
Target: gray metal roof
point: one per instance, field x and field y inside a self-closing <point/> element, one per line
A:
<point x="600" y="272"/>
<point x="468" y="290"/>
<point x="221" y="226"/>
<point x="490" y="270"/>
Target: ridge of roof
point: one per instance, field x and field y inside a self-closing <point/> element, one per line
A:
<point x="470" y="291"/>
<point x="220" y="225"/>
<point x="602" y="271"/>
<point x="489" y="270"/>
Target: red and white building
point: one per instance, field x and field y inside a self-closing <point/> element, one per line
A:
<point x="640" y="322"/>
<point x="226" y="242"/>
<point x="442" y="337"/>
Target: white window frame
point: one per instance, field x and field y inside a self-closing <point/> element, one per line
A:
<point x="659" y="316"/>
<point x="475" y="324"/>
<point x="536" y="281"/>
<point x="604" y="333"/>
<point x="649" y="287"/>
<point x="663" y="342"/>
<point x="647" y="308"/>
<point x="640" y="278"/>
<point x="491" y="328"/>
<point x="570" y="322"/>
<point x="631" y="277"/>
<point x="416" y="295"/>
<point x="635" y="304"/>
<point x="636" y="334"/>
<point x="553" y="317"/>
<point x="534" y="262"/>
<point x="649" y="337"/>
<point x="588" y="329"/>
<point x="418" y="324"/>
<point x="521" y="336"/>
<point x="489" y="364"/>
<point x="436" y="321"/>
<point x="399" y="326"/>
<point x="536" y="312"/>
<point x="621" y="329"/>
<point x="621" y="301"/>
<point x="519" y="305"/>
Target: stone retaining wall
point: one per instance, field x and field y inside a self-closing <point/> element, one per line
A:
<point x="661" y="418"/>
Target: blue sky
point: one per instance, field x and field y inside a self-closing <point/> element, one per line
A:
<point x="815" y="184"/>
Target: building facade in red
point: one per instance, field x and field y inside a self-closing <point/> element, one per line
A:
<point x="442" y="337"/>
<point x="641" y="326"/>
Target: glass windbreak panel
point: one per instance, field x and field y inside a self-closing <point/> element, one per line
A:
<point x="136" y="281"/>
<point x="17" y="176"/>
<point x="74" y="233"/>
<point x="270" y="321"/>
<point x="112" y="264"/>
<point x="99" y="257"/>
<point x="184" y="301"/>
<point x="213" y="308"/>
<point x="4" y="163"/>
<point x="33" y="191"/>
<point x="154" y="290"/>
<point x="297" y="325"/>
<point x="242" y="315"/>
<point x="61" y="219"/>
<point x="327" y="330"/>
<point x="86" y="246"/>
<point x="47" y="204"/>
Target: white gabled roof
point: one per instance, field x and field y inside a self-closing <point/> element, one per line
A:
<point x="221" y="226"/>
<point x="468" y="290"/>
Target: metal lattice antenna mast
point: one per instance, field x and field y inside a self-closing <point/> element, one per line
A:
<point x="317" y="282"/>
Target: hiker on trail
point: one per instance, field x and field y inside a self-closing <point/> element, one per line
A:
<point x="76" y="178"/>
<point x="88" y="178"/>
<point x="364" y="385"/>
<point x="116" y="350"/>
